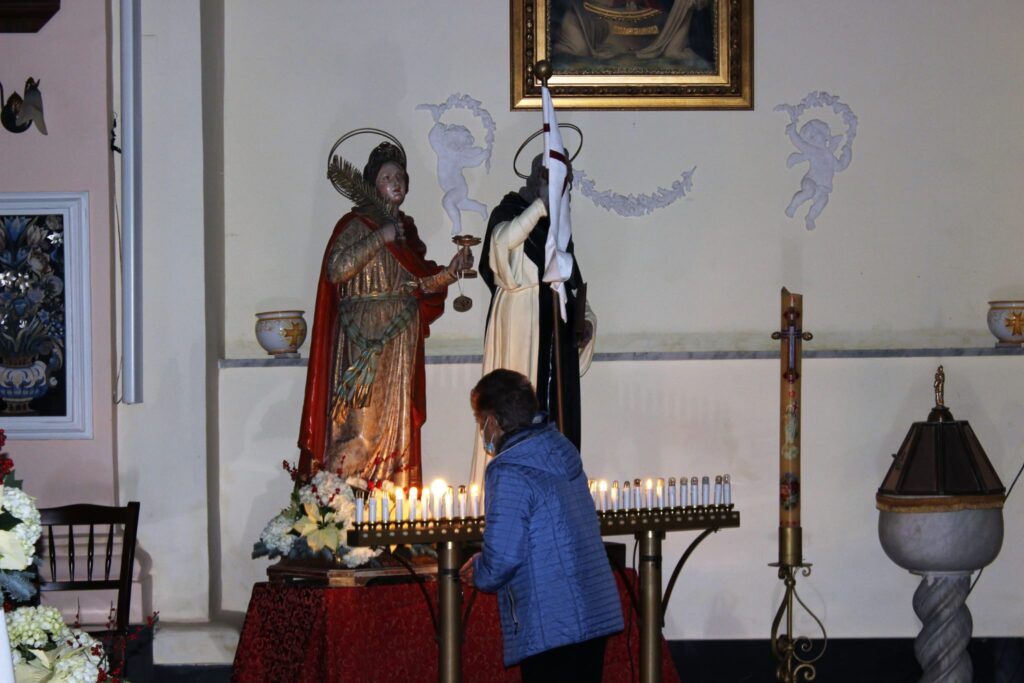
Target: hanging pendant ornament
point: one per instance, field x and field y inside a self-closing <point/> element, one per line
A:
<point x="462" y="302"/>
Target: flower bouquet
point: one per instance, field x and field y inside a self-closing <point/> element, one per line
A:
<point x="44" y="648"/>
<point x="19" y="531"/>
<point x="309" y="535"/>
<point x="314" y="524"/>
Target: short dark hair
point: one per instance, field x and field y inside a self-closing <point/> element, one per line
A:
<point x="508" y="396"/>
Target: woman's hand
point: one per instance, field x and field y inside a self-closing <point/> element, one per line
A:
<point x="466" y="573"/>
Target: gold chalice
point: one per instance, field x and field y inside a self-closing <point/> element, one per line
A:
<point x="462" y="302"/>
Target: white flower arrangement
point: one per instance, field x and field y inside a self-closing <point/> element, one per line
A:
<point x="314" y="525"/>
<point x="44" y="648"/>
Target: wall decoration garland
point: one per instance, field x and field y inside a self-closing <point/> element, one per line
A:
<point x="631" y="205"/>
<point x="817" y="146"/>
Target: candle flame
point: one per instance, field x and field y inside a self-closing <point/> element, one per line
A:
<point x="603" y="486"/>
<point x="650" y="484"/>
<point x="438" y="487"/>
<point x="474" y="490"/>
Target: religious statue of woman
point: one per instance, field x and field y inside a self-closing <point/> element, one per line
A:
<point x="365" y="397"/>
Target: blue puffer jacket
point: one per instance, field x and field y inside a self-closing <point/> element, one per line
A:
<point x="542" y="552"/>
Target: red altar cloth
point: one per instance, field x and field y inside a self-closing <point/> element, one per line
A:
<point x="312" y="634"/>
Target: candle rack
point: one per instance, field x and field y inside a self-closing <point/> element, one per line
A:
<point x="647" y="525"/>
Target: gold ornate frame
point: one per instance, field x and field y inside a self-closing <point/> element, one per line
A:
<point x="729" y="85"/>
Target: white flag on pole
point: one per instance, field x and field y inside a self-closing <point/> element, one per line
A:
<point x="558" y="261"/>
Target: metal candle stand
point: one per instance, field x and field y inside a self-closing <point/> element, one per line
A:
<point x="794" y="655"/>
<point x="648" y="526"/>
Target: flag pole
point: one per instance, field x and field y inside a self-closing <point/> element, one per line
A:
<point x="542" y="70"/>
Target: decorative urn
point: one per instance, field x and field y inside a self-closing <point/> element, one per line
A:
<point x="941" y="516"/>
<point x="281" y="333"/>
<point x="1006" y="322"/>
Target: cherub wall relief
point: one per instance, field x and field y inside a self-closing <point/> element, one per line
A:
<point x="820" y="149"/>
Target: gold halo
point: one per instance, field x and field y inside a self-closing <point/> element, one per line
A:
<point x="360" y="131"/>
<point x="527" y="141"/>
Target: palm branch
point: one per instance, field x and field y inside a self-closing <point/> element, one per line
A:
<point x="349" y="181"/>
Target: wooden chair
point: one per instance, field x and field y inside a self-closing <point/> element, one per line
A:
<point x="66" y="570"/>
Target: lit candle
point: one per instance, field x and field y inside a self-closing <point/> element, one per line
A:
<point x="615" y="495"/>
<point x="718" y="490"/>
<point x="474" y="500"/>
<point x="449" y="502"/>
<point x="437" y="489"/>
<point x="414" y="497"/>
<point x="671" y="492"/>
<point x="659" y="494"/>
<point x="727" y="493"/>
<point x="359" y="509"/>
<point x="602" y="488"/>
<point x="627" y="496"/>
<point x="399" y="505"/>
<point x="705" y="490"/>
<point x="425" y="505"/>
<point x="693" y="491"/>
<point x="650" y="494"/>
<point x="462" y="502"/>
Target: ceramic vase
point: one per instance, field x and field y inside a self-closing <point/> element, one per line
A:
<point x="281" y="333"/>
<point x="1006" y="322"/>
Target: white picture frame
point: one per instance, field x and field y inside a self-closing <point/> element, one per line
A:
<point x="52" y="228"/>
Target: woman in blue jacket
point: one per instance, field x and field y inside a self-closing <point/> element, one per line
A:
<point x="542" y="551"/>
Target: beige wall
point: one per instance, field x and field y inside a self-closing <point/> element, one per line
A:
<point x="920" y="232"/>
<point x="69" y="58"/>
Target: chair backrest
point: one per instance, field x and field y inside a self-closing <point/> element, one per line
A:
<point x="85" y="519"/>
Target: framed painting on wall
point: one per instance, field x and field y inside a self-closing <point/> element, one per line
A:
<point x="634" y="54"/>
<point x="45" y="349"/>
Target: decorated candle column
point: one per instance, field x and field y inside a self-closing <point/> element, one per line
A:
<point x="791" y="336"/>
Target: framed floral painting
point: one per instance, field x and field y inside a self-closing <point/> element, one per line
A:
<point x="45" y="349"/>
<point x="634" y="54"/>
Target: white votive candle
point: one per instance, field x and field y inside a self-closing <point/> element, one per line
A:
<point x="373" y="509"/>
<point x="638" y="494"/>
<point x="414" y="498"/>
<point x="727" y="489"/>
<point x="474" y="500"/>
<point x="399" y="505"/>
<point x="359" y="510"/>
<point x="659" y="494"/>
<point x="694" y="493"/>
<point x="437" y="490"/>
<point x="627" y="496"/>
<point x="462" y="502"/>
<point x="705" y="490"/>
<point x="615" y="495"/>
<point x="671" y="492"/>
<point x="649" y="498"/>
<point x="718" y="490"/>
<point x="602" y="490"/>
<point x="425" y="505"/>
<point x="449" y="503"/>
